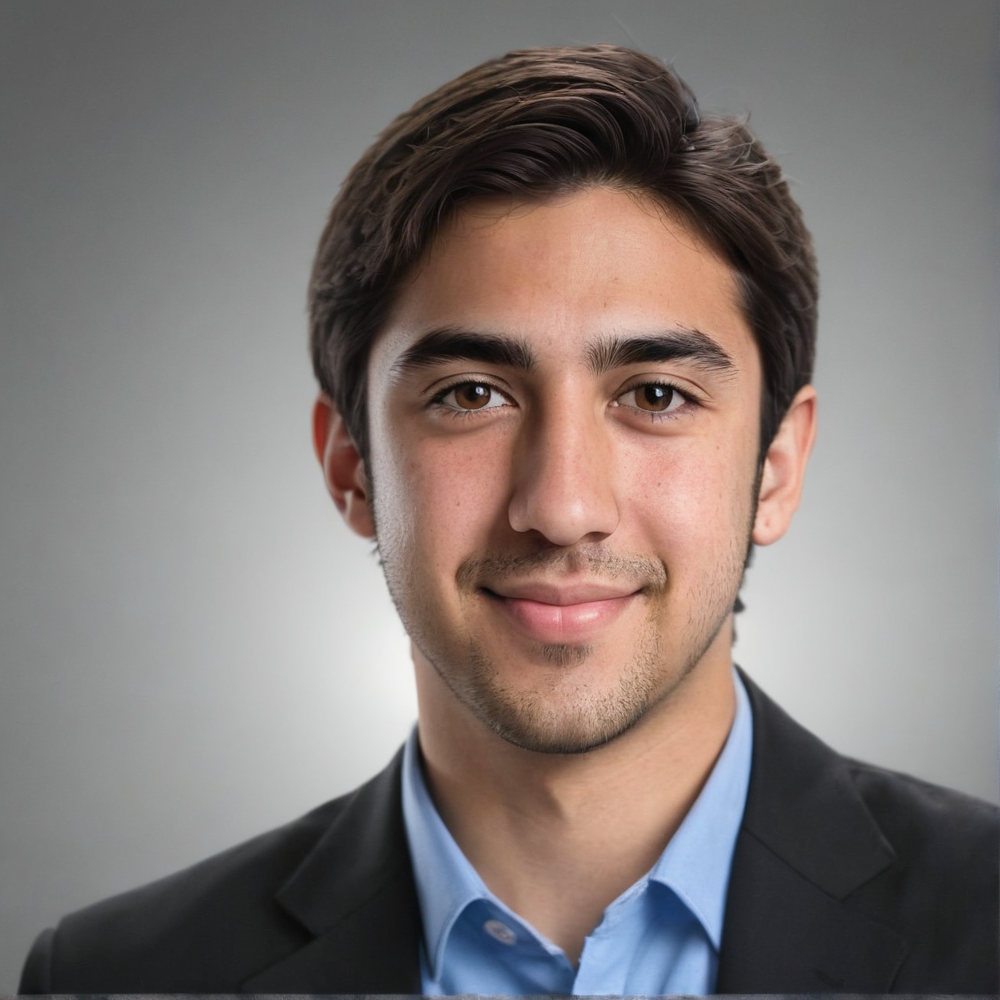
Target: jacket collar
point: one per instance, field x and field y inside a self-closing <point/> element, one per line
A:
<point x="354" y="891"/>
<point x="807" y="842"/>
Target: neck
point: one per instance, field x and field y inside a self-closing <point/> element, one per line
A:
<point x="557" y="837"/>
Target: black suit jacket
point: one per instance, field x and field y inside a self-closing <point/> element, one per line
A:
<point x="845" y="878"/>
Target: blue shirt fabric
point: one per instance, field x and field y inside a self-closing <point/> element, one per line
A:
<point x="659" y="936"/>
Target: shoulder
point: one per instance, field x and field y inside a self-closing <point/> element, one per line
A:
<point x="927" y="818"/>
<point x="942" y="889"/>
<point x="203" y="929"/>
<point x="943" y="840"/>
<point x="911" y="858"/>
<point x="810" y="788"/>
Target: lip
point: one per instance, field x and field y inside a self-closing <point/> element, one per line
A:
<point x="561" y="614"/>
<point x="561" y="595"/>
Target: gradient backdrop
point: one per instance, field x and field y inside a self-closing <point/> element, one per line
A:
<point x="192" y="646"/>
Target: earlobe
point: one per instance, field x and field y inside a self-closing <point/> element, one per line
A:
<point x="784" y="469"/>
<point x="343" y="467"/>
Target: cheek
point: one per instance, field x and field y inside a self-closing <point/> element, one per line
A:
<point x="690" y="500"/>
<point x="437" y="499"/>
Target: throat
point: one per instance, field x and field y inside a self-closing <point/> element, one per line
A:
<point x="558" y="837"/>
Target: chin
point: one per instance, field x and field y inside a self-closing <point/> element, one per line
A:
<point x="565" y="713"/>
<point x="542" y="729"/>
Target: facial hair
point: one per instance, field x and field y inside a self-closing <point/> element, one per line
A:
<point x="563" y="713"/>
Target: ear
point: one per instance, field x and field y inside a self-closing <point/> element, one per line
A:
<point x="785" y="469"/>
<point x="343" y="467"/>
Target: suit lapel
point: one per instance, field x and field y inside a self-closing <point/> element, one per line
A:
<point x="806" y="843"/>
<point x="355" y="893"/>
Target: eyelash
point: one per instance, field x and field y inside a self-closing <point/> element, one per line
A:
<point x="686" y="398"/>
<point x="437" y="400"/>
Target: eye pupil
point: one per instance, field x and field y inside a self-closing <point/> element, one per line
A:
<point x="654" y="397"/>
<point x="473" y="395"/>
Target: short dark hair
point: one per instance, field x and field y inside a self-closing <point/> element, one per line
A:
<point x="541" y="122"/>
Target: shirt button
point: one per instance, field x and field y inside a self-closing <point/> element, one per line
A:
<point x="500" y="931"/>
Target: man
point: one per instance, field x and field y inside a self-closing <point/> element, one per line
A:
<point x="564" y="329"/>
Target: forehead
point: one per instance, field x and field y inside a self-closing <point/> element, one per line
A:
<point x="565" y="271"/>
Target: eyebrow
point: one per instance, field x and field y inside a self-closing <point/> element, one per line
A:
<point x="693" y="346"/>
<point x="606" y="353"/>
<point x="451" y="344"/>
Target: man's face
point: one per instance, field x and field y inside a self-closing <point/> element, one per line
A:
<point x="564" y="436"/>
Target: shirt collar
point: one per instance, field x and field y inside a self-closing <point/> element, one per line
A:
<point x="446" y="881"/>
<point x="697" y="861"/>
<point x="695" y="864"/>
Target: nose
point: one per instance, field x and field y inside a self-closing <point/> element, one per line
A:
<point x="563" y="478"/>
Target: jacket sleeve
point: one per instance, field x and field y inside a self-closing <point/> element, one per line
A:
<point x="37" y="974"/>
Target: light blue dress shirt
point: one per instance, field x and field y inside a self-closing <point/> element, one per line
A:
<point x="659" y="936"/>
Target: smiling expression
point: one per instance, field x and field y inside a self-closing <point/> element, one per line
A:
<point x="564" y="437"/>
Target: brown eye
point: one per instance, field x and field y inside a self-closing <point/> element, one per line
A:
<point x="472" y="395"/>
<point x="655" y="398"/>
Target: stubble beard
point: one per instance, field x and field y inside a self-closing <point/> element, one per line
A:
<point x="583" y="720"/>
<point x="562" y="714"/>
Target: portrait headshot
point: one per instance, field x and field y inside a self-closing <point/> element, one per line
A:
<point x="499" y="499"/>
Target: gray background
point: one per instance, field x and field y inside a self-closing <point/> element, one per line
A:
<point x="192" y="647"/>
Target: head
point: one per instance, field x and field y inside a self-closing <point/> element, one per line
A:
<point x="541" y="122"/>
<point x="569" y="159"/>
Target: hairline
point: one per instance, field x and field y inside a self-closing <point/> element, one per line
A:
<point x="537" y="196"/>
